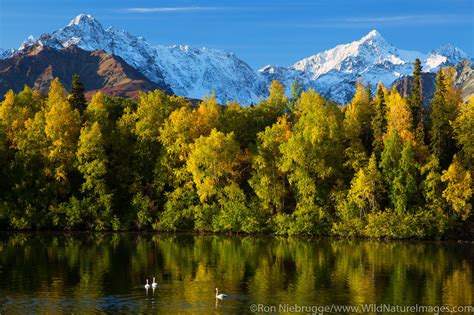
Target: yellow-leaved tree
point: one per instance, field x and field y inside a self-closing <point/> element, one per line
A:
<point x="458" y="192"/>
<point x="62" y="127"/>
<point x="463" y="127"/>
<point x="399" y="116"/>
<point x="212" y="163"/>
<point x="357" y="128"/>
<point x="269" y="183"/>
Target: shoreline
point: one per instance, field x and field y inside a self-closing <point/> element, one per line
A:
<point x="468" y="240"/>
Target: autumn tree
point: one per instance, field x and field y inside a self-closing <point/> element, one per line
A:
<point x="463" y="127"/>
<point x="399" y="115"/>
<point x="268" y="182"/>
<point x="312" y="157"/>
<point x="357" y="128"/>
<point x="62" y="125"/>
<point x="274" y="106"/>
<point x="459" y="188"/>
<point x="367" y="188"/>
<point x="296" y="90"/>
<point x="277" y="100"/>
<point x="153" y="109"/>
<point x="97" y="111"/>
<point x="92" y="164"/>
<point x="212" y="163"/>
<point x="31" y="191"/>
<point x="16" y="110"/>
<point x="207" y="115"/>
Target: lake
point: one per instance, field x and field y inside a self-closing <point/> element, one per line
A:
<point x="93" y="272"/>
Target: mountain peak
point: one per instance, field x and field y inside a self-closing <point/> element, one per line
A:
<point x="452" y="51"/>
<point x="371" y="36"/>
<point x="83" y="19"/>
<point x="373" y="33"/>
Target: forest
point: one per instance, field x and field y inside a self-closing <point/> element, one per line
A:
<point x="382" y="166"/>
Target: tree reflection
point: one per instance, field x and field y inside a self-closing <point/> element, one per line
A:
<point x="105" y="272"/>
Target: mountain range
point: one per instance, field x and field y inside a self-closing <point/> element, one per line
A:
<point x="120" y="63"/>
<point x="38" y="65"/>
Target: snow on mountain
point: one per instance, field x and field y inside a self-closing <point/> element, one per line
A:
<point x="372" y="59"/>
<point x="190" y="72"/>
<point x="6" y="53"/>
<point x="195" y="72"/>
<point x="446" y="54"/>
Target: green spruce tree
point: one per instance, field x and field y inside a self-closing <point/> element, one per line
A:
<point x="441" y="142"/>
<point x="404" y="190"/>
<point x="77" y="98"/>
<point x="379" y="122"/>
<point x="416" y="104"/>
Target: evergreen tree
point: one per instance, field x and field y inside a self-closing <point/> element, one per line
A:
<point x="379" y="122"/>
<point x="441" y="143"/>
<point x="404" y="190"/>
<point x="416" y="104"/>
<point x="431" y="186"/>
<point x="77" y="98"/>
<point x="390" y="159"/>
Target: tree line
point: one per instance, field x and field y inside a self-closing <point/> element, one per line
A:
<point x="381" y="166"/>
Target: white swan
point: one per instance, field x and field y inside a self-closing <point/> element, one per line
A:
<point x="154" y="284"/>
<point x="220" y="296"/>
<point x="147" y="286"/>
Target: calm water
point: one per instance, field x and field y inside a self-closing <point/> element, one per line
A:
<point x="90" y="273"/>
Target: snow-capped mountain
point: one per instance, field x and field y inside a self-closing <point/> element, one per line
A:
<point x="190" y="72"/>
<point x="371" y="59"/>
<point x="196" y="72"/>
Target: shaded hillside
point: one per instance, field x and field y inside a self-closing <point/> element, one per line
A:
<point x="98" y="70"/>
<point x="464" y="80"/>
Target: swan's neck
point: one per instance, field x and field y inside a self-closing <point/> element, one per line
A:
<point x="146" y="281"/>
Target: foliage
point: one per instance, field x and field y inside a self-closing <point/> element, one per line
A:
<point x="77" y="98"/>
<point x="463" y="127"/>
<point x="379" y="122"/>
<point x="459" y="188"/>
<point x="442" y="112"/>
<point x="269" y="183"/>
<point x="291" y="166"/>
<point x="416" y="103"/>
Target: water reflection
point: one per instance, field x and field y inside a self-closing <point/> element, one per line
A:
<point x="84" y="273"/>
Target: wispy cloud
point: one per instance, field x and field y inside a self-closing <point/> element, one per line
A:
<point x="366" y="21"/>
<point x="171" y="9"/>
<point x="405" y="18"/>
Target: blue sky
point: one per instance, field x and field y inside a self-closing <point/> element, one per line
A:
<point x="259" y="32"/>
